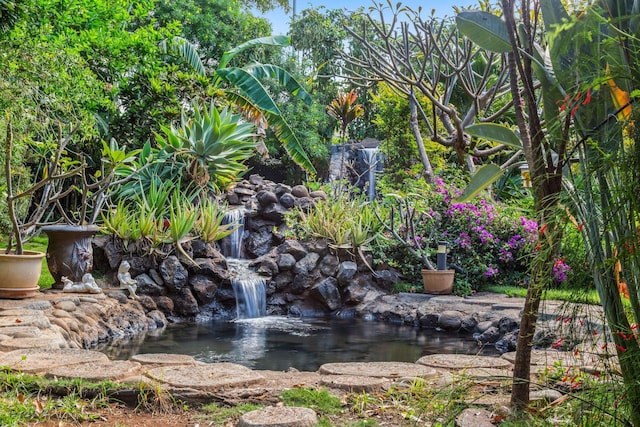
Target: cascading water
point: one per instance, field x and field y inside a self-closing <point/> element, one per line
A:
<point x="249" y="288"/>
<point x="232" y="244"/>
<point x="370" y="156"/>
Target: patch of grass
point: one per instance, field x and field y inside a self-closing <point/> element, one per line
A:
<point x="39" y="243"/>
<point x="319" y="400"/>
<point x="217" y="415"/>
<point x="570" y="295"/>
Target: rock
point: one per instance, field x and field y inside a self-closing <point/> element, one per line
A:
<point x="147" y="303"/>
<point x="274" y="212"/>
<point x="507" y="324"/>
<point x="155" y="276"/>
<point x="319" y="246"/>
<point x="156" y="319"/>
<point x="329" y="265"/>
<point x="294" y="248"/>
<point x="386" y="278"/>
<point x="287" y="200"/>
<point x="282" y="189"/>
<point x="327" y="293"/>
<point x="286" y="262"/>
<point x="306" y="264"/>
<point x="173" y="273"/>
<point x="300" y="191"/>
<point x="266" y="198"/>
<point x="185" y="304"/>
<point x="258" y="243"/>
<point x="202" y="249"/>
<point x="355" y="293"/>
<point x="475" y="417"/>
<point x="204" y="289"/>
<point x="469" y="322"/>
<point x="547" y="395"/>
<point x="255" y="179"/>
<point x="213" y="268"/>
<point x="279" y="416"/>
<point x="489" y="336"/>
<point x="305" y="203"/>
<point x="507" y="342"/>
<point x="346" y="271"/>
<point x="267" y="266"/>
<point x="165" y="304"/>
<point x="148" y="286"/>
<point x="483" y="326"/>
<point x="429" y="320"/>
<point x="450" y="320"/>
<point x="301" y="282"/>
<point x="318" y="194"/>
<point x="66" y="305"/>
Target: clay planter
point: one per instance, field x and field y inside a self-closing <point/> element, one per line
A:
<point x="438" y="282"/>
<point x="19" y="274"/>
<point x="69" y="252"/>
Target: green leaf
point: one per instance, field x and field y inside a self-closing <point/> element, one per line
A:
<point x="486" y="30"/>
<point x="283" y="78"/>
<point x="280" y="41"/>
<point x="182" y="48"/>
<point x="285" y="135"/>
<point x="495" y="132"/>
<point x="484" y="177"/>
<point x="250" y="86"/>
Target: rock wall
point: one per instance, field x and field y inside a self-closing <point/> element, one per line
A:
<point x="303" y="278"/>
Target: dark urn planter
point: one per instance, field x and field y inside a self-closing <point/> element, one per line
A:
<point x="69" y="252"/>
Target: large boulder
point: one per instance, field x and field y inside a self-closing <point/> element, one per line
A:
<point x="326" y="292"/>
<point x="173" y="273"/>
<point x="258" y="243"/>
<point x="204" y="289"/>
<point x="306" y="264"/>
<point x="294" y="248"/>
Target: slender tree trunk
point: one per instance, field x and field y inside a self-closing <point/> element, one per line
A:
<point x="415" y="128"/>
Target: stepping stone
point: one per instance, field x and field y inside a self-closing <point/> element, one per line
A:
<point x="463" y="361"/>
<point x="475" y="417"/>
<point x="548" y="358"/>
<point x="280" y="416"/>
<point x="354" y="383"/>
<point x="100" y="371"/>
<point x="164" y="359"/>
<point x="21" y="331"/>
<point x="51" y="342"/>
<point x="378" y="369"/>
<point x="208" y="377"/>
<point x="36" y="360"/>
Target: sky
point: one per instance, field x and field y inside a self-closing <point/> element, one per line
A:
<point x="280" y="21"/>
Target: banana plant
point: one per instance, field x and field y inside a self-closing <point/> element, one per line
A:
<point x="242" y="86"/>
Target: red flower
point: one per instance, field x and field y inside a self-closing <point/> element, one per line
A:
<point x="558" y="343"/>
<point x="587" y="99"/>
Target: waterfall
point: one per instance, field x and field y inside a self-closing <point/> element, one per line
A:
<point x="232" y="244"/>
<point x="371" y="160"/>
<point x="249" y="288"/>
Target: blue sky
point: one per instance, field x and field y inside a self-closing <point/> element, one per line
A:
<point x="280" y="21"/>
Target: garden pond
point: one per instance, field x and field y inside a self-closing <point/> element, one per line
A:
<point x="279" y="343"/>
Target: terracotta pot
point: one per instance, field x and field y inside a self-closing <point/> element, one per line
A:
<point x="20" y="274"/>
<point x="69" y="252"/>
<point x="438" y="282"/>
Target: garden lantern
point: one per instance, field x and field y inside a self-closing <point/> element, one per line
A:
<point x="526" y="176"/>
<point x="441" y="256"/>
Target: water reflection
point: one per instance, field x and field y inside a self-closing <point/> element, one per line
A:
<point x="277" y="343"/>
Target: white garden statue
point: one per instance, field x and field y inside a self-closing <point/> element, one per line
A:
<point x="126" y="281"/>
<point x="88" y="284"/>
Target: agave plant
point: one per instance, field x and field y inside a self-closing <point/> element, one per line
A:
<point x="212" y="146"/>
<point x="209" y="224"/>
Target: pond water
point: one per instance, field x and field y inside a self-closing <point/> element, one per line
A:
<point x="278" y="343"/>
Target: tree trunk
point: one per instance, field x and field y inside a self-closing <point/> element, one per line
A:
<point x="415" y="128"/>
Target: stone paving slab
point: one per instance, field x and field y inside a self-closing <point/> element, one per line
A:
<point x="548" y="358"/>
<point x="36" y="360"/>
<point x="208" y="377"/>
<point x="100" y="371"/>
<point x="165" y="359"/>
<point x="279" y="416"/>
<point x="378" y="369"/>
<point x="38" y="321"/>
<point x="355" y="383"/>
<point x="50" y="340"/>
<point x="463" y="361"/>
